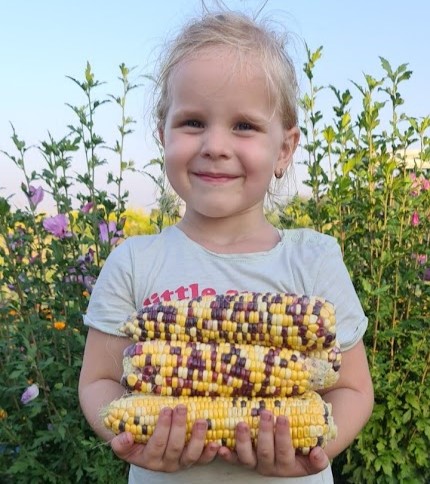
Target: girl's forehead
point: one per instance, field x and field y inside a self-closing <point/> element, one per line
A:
<point x="234" y="60"/>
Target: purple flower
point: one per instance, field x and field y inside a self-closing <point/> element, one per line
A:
<point x="85" y="280"/>
<point x="88" y="258"/>
<point x="57" y="225"/>
<point x="87" y="207"/>
<point x="30" y="394"/>
<point x="109" y="232"/>
<point x="35" y="195"/>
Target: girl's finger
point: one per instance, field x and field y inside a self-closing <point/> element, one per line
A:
<point x="284" y="450"/>
<point x="244" y="450"/>
<point x="194" y="449"/>
<point x="176" y="441"/>
<point x="228" y="455"/>
<point x="265" y="441"/>
<point x="318" y="459"/>
<point x="157" y="444"/>
<point x="209" y="453"/>
<point x="122" y="444"/>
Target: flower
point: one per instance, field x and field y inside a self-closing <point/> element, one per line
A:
<point x="88" y="258"/>
<point x="30" y="394"/>
<point x="418" y="184"/>
<point x="415" y="219"/>
<point x="109" y="232"/>
<point x="59" y="325"/>
<point x="420" y="258"/>
<point x="87" y="280"/>
<point x="87" y="207"/>
<point x="35" y="196"/>
<point x="57" y="225"/>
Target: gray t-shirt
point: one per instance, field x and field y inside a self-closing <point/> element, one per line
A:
<point x="155" y="268"/>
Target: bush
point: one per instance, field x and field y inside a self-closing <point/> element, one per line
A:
<point x="49" y="266"/>
<point x="367" y="194"/>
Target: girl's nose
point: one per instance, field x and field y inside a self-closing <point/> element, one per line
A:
<point x="215" y="144"/>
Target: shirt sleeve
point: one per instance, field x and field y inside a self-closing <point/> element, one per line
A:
<point x="334" y="283"/>
<point x="112" y="299"/>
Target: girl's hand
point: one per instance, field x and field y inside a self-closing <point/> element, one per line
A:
<point x="275" y="455"/>
<point x="166" y="450"/>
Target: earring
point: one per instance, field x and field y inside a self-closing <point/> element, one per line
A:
<point x="279" y="173"/>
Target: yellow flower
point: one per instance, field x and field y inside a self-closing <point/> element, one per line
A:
<point x="46" y="313"/>
<point x="3" y="414"/>
<point x="85" y="294"/>
<point x="12" y="312"/>
<point x="60" y="325"/>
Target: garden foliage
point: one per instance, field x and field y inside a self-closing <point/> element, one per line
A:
<point x="361" y="191"/>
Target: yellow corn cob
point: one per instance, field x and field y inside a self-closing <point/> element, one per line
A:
<point x="310" y="417"/>
<point x="225" y="369"/>
<point x="299" y="323"/>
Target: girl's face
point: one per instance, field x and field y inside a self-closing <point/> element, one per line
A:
<point x="222" y="137"/>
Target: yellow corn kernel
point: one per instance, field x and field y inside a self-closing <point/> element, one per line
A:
<point x="233" y="318"/>
<point x="310" y="418"/>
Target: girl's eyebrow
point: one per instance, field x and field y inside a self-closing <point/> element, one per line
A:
<point x="254" y="118"/>
<point x="185" y="113"/>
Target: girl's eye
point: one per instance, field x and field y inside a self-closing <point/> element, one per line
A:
<point x="193" y="123"/>
<point x="244" y="126"/>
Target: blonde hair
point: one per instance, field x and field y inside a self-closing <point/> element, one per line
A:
<point x="246" y="36"/>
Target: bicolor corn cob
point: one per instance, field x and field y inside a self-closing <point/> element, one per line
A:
<point x="299" y="323"/>
<point x="225" y="369"/>
<point x="310" y="417"/>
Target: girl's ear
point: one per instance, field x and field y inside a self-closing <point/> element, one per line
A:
<point x="291" y="140"/>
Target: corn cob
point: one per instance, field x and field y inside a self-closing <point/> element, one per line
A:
<point x="226" y="369"/>
<point x="311" y="422"/>
<point x="299" y="323"/>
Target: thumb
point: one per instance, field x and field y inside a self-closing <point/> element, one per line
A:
<point x="319" y="459"/>
<point x="122" y="443"/>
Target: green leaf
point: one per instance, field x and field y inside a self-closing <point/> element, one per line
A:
<point x="89" y="76"/>
<point x="407" y="416"/>
<point x="413" y="401"/>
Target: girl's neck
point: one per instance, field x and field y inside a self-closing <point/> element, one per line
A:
<point x="232" y="235"/>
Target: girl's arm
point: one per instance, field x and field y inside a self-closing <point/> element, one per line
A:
<point x="99" y="385"/>
<point x="100" y="376"/>
<point x="351" y="398"/>
<point x="352" y="401"/>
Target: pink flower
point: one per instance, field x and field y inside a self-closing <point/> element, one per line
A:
<point x="30" y="394"/>
<point x="87" y="207"/>
<point x="425" y="184"/>
<point x="35" y="196"/>
<point x="57" y="225"/>
<point x="415" y="219"/>
<point x="109" y="232"/>
<point x="420" y="258"/>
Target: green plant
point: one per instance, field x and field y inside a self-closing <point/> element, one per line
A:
<point x="366" y="194"/>
<point x="49" y="265"/>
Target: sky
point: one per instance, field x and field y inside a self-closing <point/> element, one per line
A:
<point x="42" y="42"/>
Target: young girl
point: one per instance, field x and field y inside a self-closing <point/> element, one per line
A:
<point x="228" y="123"/>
